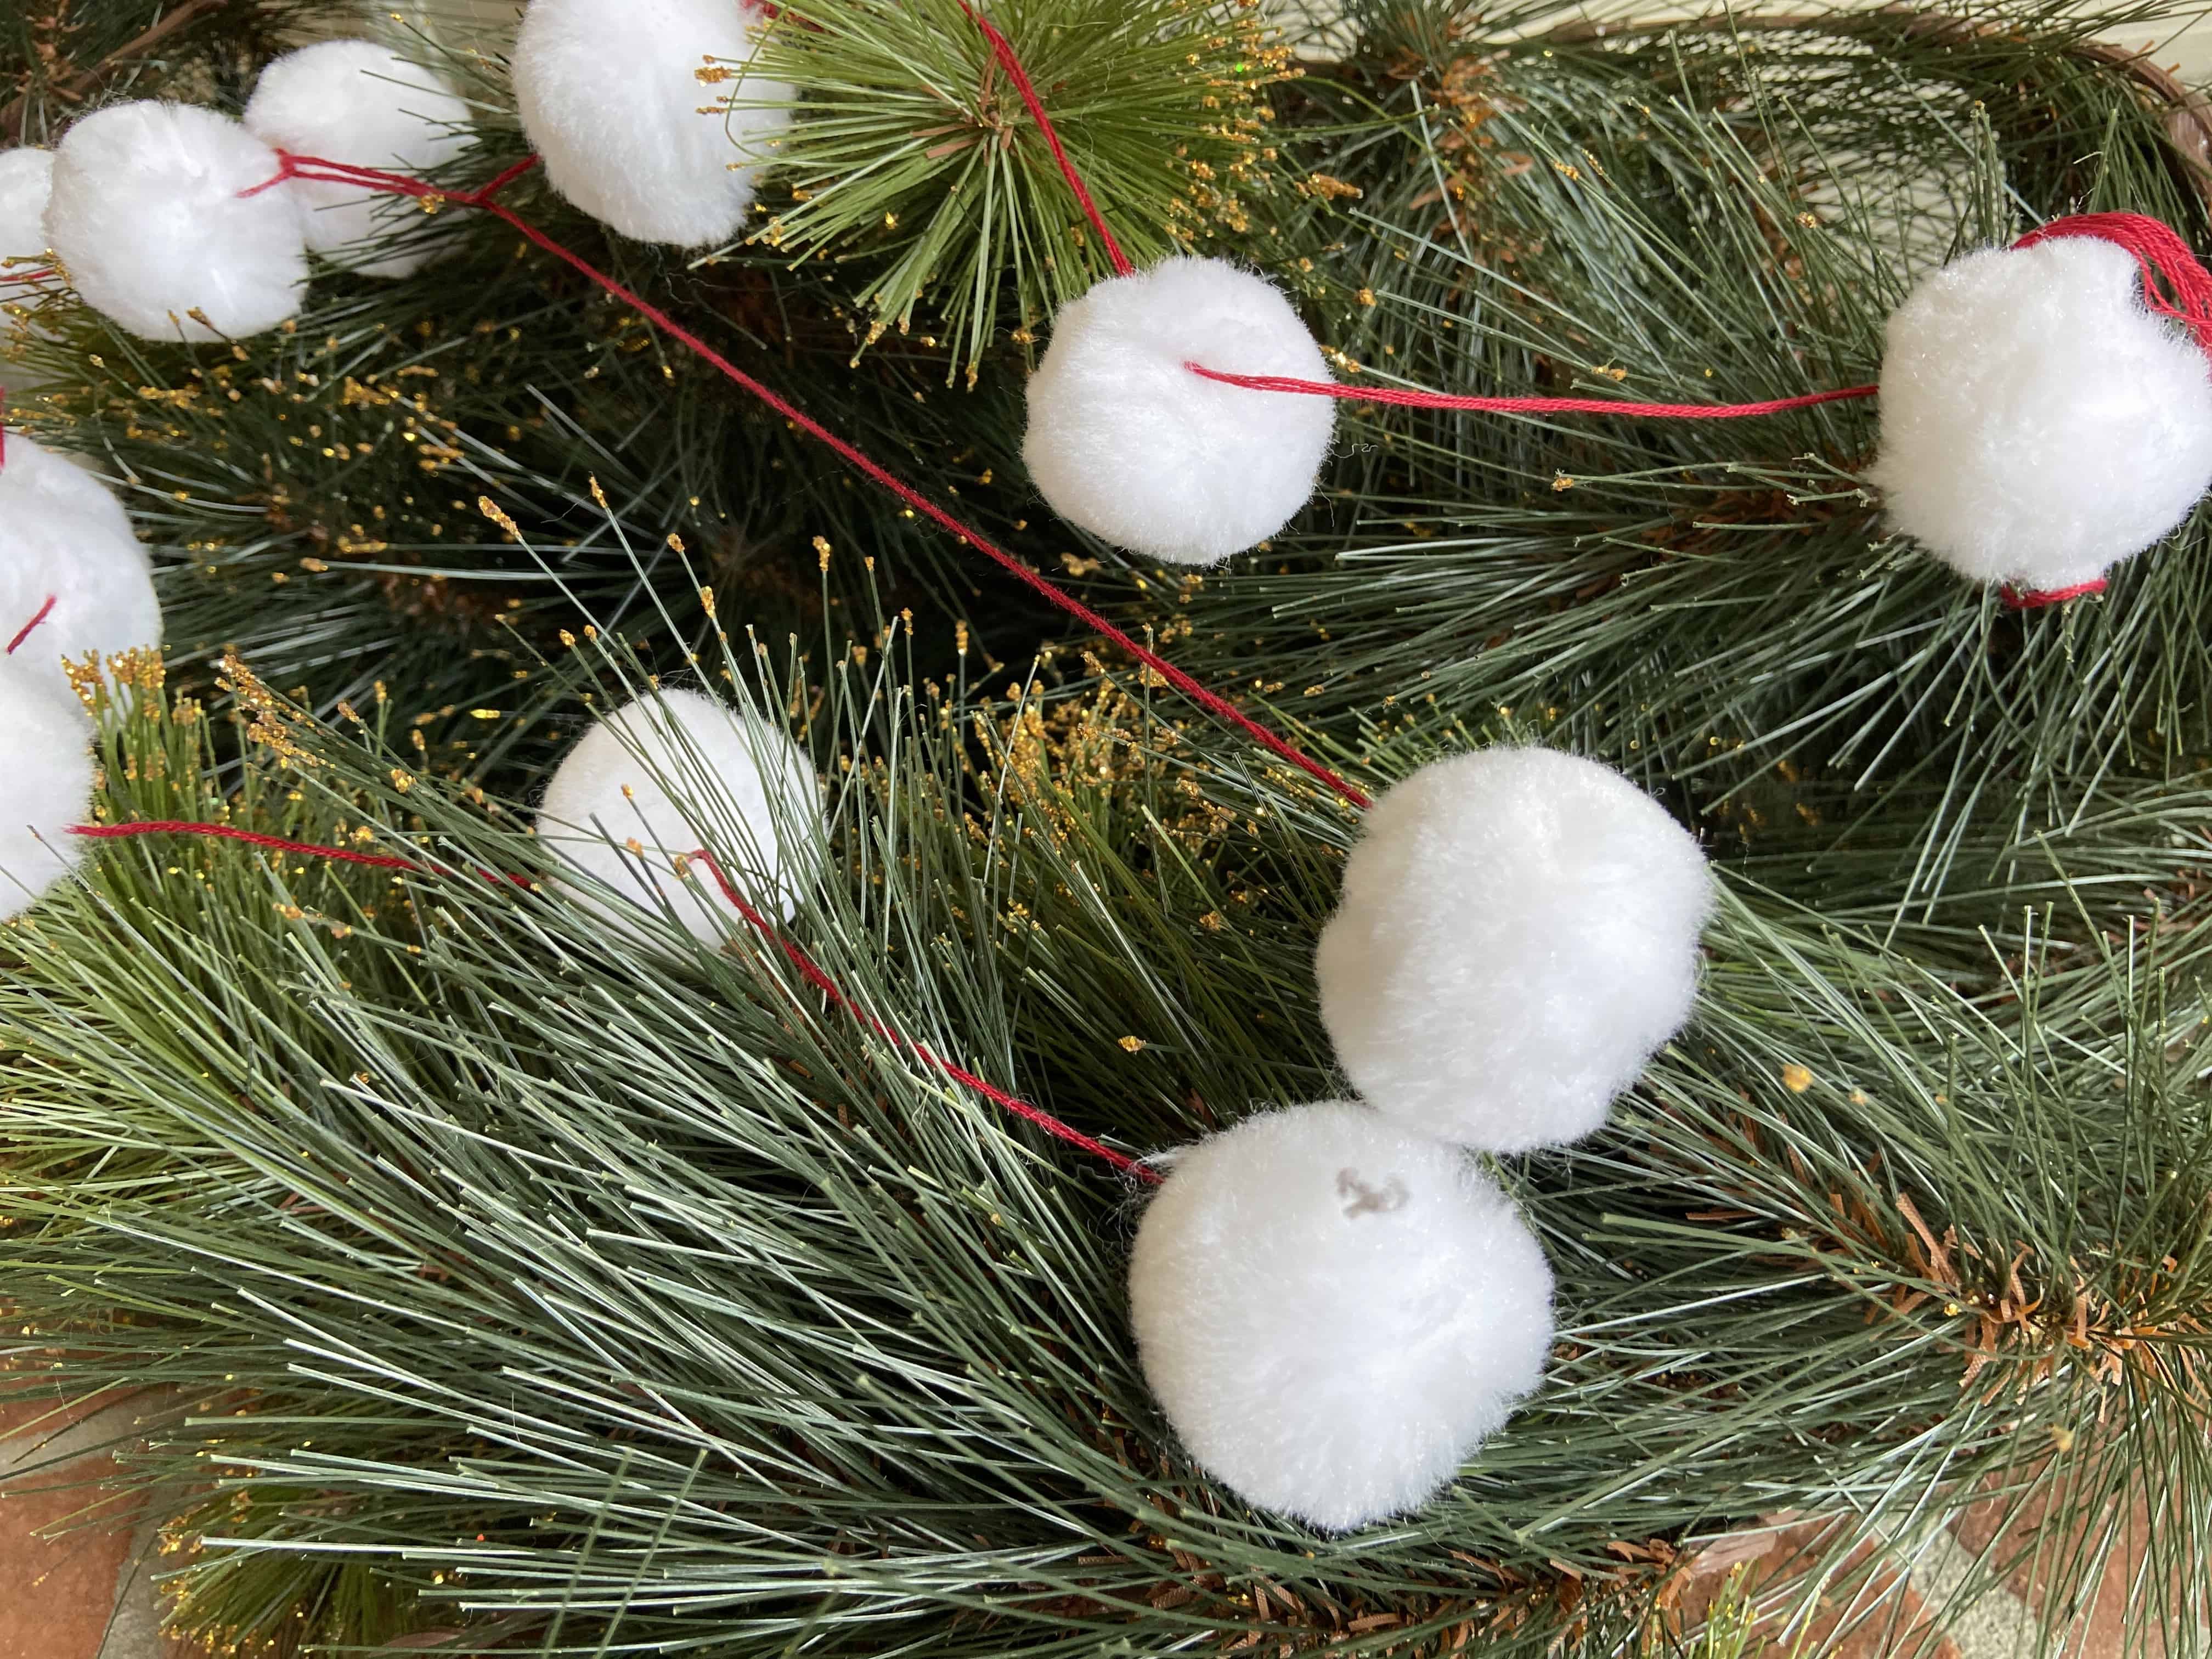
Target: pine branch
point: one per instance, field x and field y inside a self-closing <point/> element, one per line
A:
<point x="674" y="1286"/>
<point x="73" y="87"/>
<point x="541" y="1283"/>
<point x="2188" y="115"/>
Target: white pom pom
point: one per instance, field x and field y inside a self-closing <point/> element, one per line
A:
<point x="27" y="179"/>
<point x="2037" y="423"/>
<point x="1517" y="934"/>
<point x="65" y="538"/>
<point x="611" y="99"/>
<point x="746" y="790"/>
<point x="1126" y="443"/>
<point x="150" y="216"/>
<point x="1335" y="1313"/>
<point x="364" y="105"/>
<point x="46" y="757"/>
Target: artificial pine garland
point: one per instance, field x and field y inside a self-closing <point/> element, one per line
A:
<point x="580" y="1287"/>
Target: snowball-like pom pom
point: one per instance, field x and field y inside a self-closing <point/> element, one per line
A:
<point x="1126" y="443"/>
<point x="1335" y="1313"/>
<point x="364" y="105"/>
<point x="46" y="757"/>
<point x="668" y="775"/>
<point x="2037" y="423"/>
<point x="1517" y="934"/>
<point x="27" y="179"/>
<point x="150" y="214"/>
<point x="64" y="539"/>
<point x="611" y="99"/>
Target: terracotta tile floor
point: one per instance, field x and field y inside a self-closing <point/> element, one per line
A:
<point x="79" y="1595"/>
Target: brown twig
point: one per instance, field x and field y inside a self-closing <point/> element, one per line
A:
<point x="74" y="87"/>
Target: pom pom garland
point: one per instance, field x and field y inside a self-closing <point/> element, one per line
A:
<point x="46" y="756"/>
<point x="69" y="560"/>
<point x="1518" y="933"/>
<point x="662" y="777"/>
<point x="2039" y="424"/>
<point x="1335" y="1313"/>
<point x="610" y="96"/>
<point x="364" y="105"/>
<point x="1126" y="443"/>
<point x="159" y="215"/>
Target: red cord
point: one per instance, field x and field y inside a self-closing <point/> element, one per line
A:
<point x="2036" y="598"/>
<point x="224" y="832"/>
<point x="1013" y="64"/>
<point x="812" y="973"/>
<point x="28" y="627"/>
<point x="1413" y="397"/>
<point x="807" y="967"/>
<point x="275" y="843"/>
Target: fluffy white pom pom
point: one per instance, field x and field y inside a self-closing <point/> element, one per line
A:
<point x="46" y="757"/>
<point x="611" y="99"/>
<point x="1518" y="933"/>
<point x="665" y="776"/>
<point x="150" y="216"/>
<point x="27" y="179"/>
<point x="1126" y="443"/>
<point x="2037" y="423"/>
<point x="364" y="105"/>
<point x="65" y="538"/>
<point x="1335" y="1313"/>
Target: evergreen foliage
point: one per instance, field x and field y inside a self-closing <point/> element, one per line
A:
<point x="493" y="1279"/>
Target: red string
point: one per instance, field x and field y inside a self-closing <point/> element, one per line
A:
<point x="812" y="973"/>
<point x="2036" y="598"/>
<point x="1413" y="397"/>
<point x="275" y="843"/>
<point x="1013" y="64"/>
<point x="310" y="168"/>
<point x="28" y="627"/>
<point x="807" y="967"/>
<point x="2015" y="598"/>
<point x="224" y="832"/>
